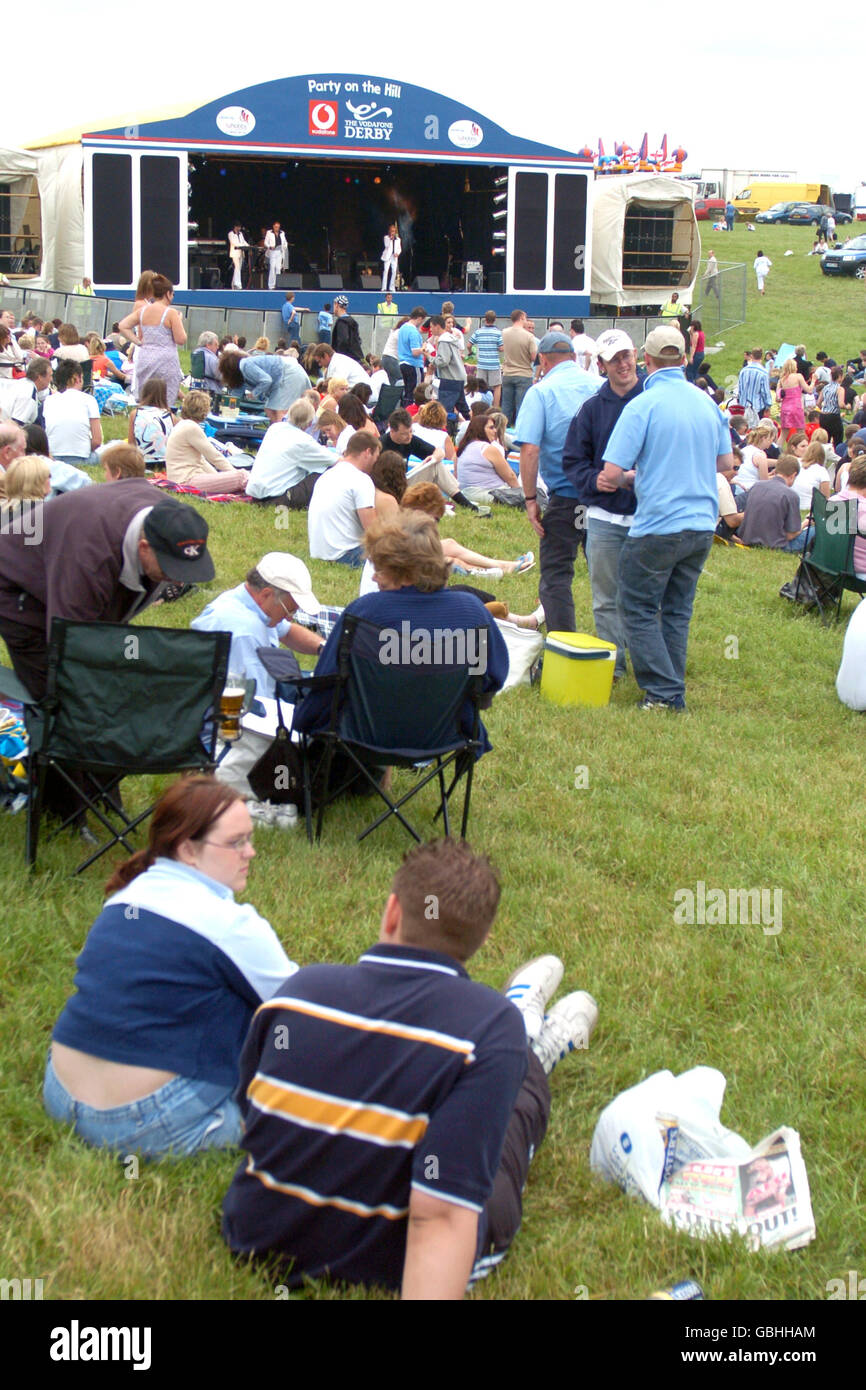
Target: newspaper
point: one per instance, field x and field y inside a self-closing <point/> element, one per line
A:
<point x="763" y="1197"/>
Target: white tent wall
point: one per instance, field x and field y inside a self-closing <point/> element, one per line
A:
<point x="615" y="197"/>
<point x="58" y="174"/>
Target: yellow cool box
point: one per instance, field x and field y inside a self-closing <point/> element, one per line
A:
<point x="578" y="669"/>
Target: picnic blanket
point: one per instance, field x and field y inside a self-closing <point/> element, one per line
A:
<point x="186" y="490"/>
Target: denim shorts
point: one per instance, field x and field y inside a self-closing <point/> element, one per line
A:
<point x="182" y="1117"/>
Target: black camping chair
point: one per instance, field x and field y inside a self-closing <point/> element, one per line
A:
<point x="388" y="400"/>
<point x="390" y="710"/>
<point x="832" y="554"/>
<point x="120" y="701"/>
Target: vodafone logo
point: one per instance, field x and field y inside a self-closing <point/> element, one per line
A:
<point x="323" y="118"/>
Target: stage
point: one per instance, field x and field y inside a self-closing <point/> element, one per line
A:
<point x="335" y="159"/>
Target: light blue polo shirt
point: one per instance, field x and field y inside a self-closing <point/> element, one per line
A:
<point x="237" y="612"/>
<point x="545" y="414"/>
<point x="672" y="435"/>
<point x="407" y="339"/>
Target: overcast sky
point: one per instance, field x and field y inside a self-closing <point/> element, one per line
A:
<point x="740" y="85"/>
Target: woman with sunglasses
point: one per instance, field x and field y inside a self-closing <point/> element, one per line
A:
<point x="145" y="1054"/>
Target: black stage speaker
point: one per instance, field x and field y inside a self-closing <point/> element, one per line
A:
<point x="330" y="282"/>
<point x="290" y="280"/>
<point x="371" y="282"/>
<point x="428" y="284"/>
<point x="496" y="282"/>
<point x="205" y="277"/>
<point x="311" y="282"/>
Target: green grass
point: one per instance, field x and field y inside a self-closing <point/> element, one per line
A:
<point x="756" y="787"/>
<point x="801" y="305"/>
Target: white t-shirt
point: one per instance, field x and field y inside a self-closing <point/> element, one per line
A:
<point x="67" y="423"/>
<point x="806" y="480"/>
<point x="332" y="520"/>
<point x="346" y="367"/>
<point x="435" y="437"/>
<point x="748" y="474"/>
<point x="343" y="438"/>
<point x="377" y="381"/>
<point x="583" y="344"/>
<point x="851" y="680"/>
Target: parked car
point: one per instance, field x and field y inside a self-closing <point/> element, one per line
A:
<point x="777" y="213"/>
<point x="802" y="214"/>
<point x="709" y="209"/>
<point x="849" y="259"/>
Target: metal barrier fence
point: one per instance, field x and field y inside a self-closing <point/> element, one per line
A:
<point x="720" y="302"/>
<point x="717" y="311"/>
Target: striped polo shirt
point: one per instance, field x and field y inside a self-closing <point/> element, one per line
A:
<point x="487" y="341"/>
<point x="357" y="1084"/>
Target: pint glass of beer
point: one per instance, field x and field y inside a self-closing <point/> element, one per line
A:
<point x="231" y="703"/>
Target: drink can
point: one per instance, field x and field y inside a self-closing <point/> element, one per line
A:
<point x="686" y="1289"/>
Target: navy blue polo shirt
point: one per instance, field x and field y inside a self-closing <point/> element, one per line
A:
<point x="358" y="1083"/>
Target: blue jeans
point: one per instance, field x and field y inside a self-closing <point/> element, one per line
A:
<point x="353" y="558"/>
<point x="604" y="543"/>
<point x="801" y="542"/>
<point x="451" y="396"/>
<point x="514" y="388"/>
<point x="658" y="576"/>
<point x="182" y="1117"/>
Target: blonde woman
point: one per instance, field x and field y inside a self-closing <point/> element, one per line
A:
<point x="812" y="474"/>
<point x="789" y="392"/>
<point x="192" y="458"/>
<point x="755" y="467"/>
<point x="28" y="480"/>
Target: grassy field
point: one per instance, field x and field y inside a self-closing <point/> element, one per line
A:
<point x="596" y="818"/>
<point x="801" y="305"/>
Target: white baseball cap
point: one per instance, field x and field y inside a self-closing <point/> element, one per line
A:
<point x="612" y="341"/>
<point x="288" y="573"/>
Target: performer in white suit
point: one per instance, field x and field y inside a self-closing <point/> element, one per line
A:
<point x="237" y="245"/>
<point x="390" y="258"/>
<point x="277" y="249"/>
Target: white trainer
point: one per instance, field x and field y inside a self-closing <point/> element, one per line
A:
<point x="530" y="988"/>
<point x="567" y="1028"/>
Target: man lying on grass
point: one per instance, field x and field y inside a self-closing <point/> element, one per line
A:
<point x="391" y="1108"/>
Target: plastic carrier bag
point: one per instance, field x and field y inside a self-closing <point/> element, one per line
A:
<point x="658" y="1126"/>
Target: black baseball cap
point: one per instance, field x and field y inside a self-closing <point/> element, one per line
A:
<point x="178" y="536"/>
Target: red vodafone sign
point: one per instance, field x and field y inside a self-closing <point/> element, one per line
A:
<point x="323" y="118"/>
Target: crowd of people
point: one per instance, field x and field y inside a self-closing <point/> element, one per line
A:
<point x="640" y="463"/>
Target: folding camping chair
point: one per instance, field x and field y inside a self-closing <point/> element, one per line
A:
<point x="403" y="713"/>
<point x="120" y="701"/>
<point x="832" y="554"/>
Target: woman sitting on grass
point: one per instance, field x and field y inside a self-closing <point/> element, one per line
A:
<point x="151" y="422"/>
<point x="193" y="459"/>
<point x="145" y="1054"/>
<point x="482" y="468"/>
